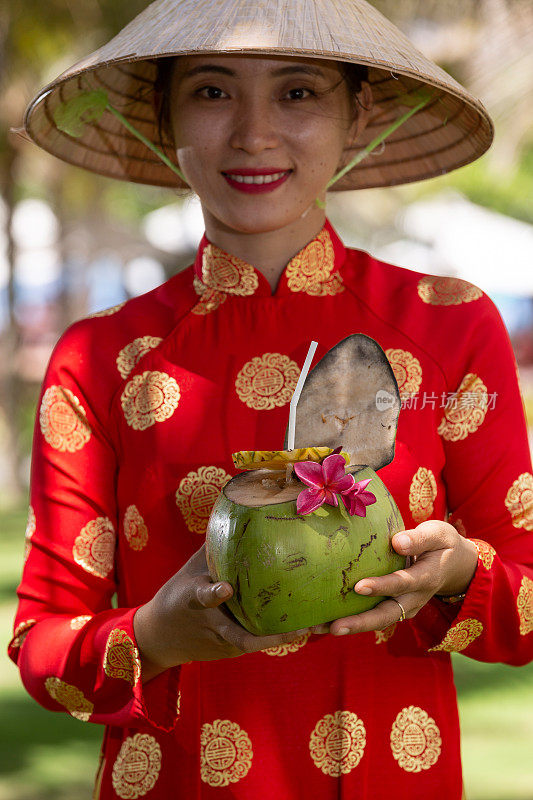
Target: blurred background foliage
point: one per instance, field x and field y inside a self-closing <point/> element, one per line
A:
<point x="96" y="226"/>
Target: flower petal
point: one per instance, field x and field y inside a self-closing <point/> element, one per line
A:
<point x="311" y="473"/>
<point x="363" y="484"/>
<point x="309" y="500"/>
<point x="334" y="468"/>
<point x="331" y="497"/>
<point x="367" y="497"/>
<point x="345" y="484"/>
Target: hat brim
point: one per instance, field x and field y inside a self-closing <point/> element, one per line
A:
<point x="452" y="130"/>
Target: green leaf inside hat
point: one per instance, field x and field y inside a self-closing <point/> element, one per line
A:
<point x="72" y="115"/>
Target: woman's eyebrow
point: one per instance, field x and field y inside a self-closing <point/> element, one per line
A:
<point x="288" y="70"/>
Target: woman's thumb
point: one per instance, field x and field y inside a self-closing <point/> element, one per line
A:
<point x="211" y="595"/>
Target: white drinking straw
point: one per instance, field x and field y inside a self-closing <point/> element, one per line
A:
<point x="297" y="392"/>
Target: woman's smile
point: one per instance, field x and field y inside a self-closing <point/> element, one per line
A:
<point x="256" y="181"/>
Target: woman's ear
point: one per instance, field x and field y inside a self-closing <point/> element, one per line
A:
<point x="365" y="104"/>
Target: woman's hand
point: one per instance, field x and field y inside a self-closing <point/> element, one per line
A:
<point x="184" y="622"/>
<point x="444" y="563"/>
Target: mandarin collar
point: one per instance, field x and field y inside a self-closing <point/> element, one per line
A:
<point x="315" y="270"/>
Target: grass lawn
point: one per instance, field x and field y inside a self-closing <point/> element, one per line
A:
<point x="47" y="756"/>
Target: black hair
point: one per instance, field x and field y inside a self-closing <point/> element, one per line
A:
<point x="352" y="74"/>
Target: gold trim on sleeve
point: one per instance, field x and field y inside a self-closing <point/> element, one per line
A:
<point x="70" y="697"/>
<point x="460" y="636"/>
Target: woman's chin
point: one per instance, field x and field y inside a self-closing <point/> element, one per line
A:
<point x="255" y="218"/>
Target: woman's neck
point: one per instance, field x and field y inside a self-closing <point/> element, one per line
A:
<point x="268" y="252"/>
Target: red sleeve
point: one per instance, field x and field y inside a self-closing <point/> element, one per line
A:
<point x="489" y="485"/>
<point x="75" y="652"/>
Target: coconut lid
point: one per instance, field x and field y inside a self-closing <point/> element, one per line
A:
<point x="351" y="399"/>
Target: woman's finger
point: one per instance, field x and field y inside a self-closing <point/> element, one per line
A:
<point x="379" y="617"/>
<point x="206" y="594"/>
<point x="433" y="534"/>
<point x="423" y="576"/>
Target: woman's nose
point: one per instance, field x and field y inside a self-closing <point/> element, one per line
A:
<point x="254" y="128"/>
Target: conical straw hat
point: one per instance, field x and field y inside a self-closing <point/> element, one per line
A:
<point x="452" y="130"/>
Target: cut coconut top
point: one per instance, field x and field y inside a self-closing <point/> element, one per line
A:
<point x="262" y="487"/>
<point x="351" y="399"/>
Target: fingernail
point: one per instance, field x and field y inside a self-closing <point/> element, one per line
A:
<point x="403" y="541"/>
<point x="362" y="589"/>
<point x="221" y="590"/>
<point x="342" y="631"/>
<point x="320" y="629"/>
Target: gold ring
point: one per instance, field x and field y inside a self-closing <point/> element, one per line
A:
<point x="402" y="616"/>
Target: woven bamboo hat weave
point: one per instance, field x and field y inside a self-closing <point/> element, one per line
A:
<point x="452" y="130"/>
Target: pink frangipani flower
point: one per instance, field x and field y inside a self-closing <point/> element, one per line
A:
<point x="356" y="499"/>
<point x="325" y="480"/>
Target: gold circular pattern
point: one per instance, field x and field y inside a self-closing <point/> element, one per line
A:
<point x="311" y="270"/>
<point x="519" y="501"/>
<point x="442" y="291"/>
<point x="422" y="494"/>
<point x="94" y="548"/>
<point x="30" y="530"/>
<point x="78" y="622"/>
<point x="415" y="740"/>
<point x="385" y="634"/>
<point x="227" y="273"/>
<point x="465" y="412"/>
<point x="19" y="634"/>
<point x="337" y="743"/>
<point x="524" y="604"/>
<point x="70" y="697"/>
<point x="178" y="703"/>
<point x="196" y="496"/>
<point x="486" y="552"/>
<point x="137" y="766"/>
<point x="63" y="421"/>
<point x="226" y="752"/>
<point x="135" y="529"/>
<point x="149" y="398"/>
<point x="407" y="370"/>
<point x="107" y="312"/>
<point x="460" y="636"/>
<point x="267" y="381"/>
<point x="130" y="355"/>
<point x="121" y="657"/>
<point x="291" y="647"/>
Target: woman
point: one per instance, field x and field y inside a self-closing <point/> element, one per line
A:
<point x="143" y="405"/>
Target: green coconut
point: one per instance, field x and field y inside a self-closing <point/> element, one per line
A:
<point x="291" y="571"/>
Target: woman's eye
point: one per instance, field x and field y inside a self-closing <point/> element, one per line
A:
<point x="213" y="92"/>
<point x="298" y="93"/>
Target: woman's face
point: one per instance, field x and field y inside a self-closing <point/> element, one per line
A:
<point x="231" y="114"/>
